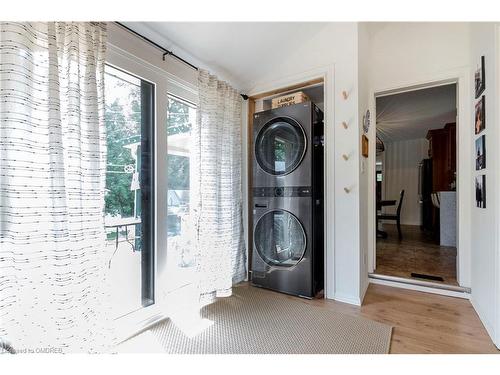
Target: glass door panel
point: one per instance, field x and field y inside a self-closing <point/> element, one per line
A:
<point x="180" y="257"/>
<point x="129" y="199"/>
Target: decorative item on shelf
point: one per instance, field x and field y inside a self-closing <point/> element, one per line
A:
<point x="345" y="157"/>
<point x="289" y="99"/>
<point x="345" y="95"/>
<point x="481" y="191"/>
<point x="480" y="120"/>
<point x="479" y="79"/>
<point x="481" y="153"/>
<point x="364" y="146"/>
<point x="344" y="124"/>
<point x="366" y="121"/>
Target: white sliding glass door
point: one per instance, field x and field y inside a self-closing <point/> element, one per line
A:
<point x="129" y="198"/>
<point x="147" y="198"/>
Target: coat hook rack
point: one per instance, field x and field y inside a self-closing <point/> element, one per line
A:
<point x="344" y="95"/>
<point x="345" y="157"/>
<point x="344" y="124"/>
<point x="347" y="190"/>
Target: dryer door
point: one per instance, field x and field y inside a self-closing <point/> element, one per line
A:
<point x="280" y="146"/>
<point x="280" y="239"/>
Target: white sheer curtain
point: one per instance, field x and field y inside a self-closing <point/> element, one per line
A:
<point x="216" y="188"/>
<point x="52" y="160"/>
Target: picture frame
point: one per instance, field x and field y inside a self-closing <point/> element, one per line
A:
<point x="481" y="153"/>
<point x="480" y="186"/>
<point x="479" y="79"/>
<point x="364" y="146"/>
<point x="479" y="117"/>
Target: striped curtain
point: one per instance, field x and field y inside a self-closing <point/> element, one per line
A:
<point x="216" y="189"/>
<point x="52" y="178"/>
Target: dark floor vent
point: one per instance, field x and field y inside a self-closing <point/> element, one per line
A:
<point x="426" y="277"/>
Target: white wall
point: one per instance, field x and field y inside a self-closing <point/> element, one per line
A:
<point x="332" y="53"/>
<point x="366" y="175"/>
<point x="401" y="172"/>
<point x="485" y="222"/>
<point x="410" y="54"/>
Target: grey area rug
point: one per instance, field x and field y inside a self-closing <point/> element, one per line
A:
<point x="256" y="321"/>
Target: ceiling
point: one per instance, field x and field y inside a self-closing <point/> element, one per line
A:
<point x="240" y="52"/>
<point x="410" y="115"/>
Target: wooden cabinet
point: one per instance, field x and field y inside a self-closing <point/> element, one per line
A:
<point x="443" y="152"/>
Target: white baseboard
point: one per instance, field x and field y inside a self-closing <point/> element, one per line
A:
<point x="365" y="288"/>
<point x="420" y="288"/>
<point x="347" y="299"/>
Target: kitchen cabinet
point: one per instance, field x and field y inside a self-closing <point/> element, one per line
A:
<point x="443" y="153"/>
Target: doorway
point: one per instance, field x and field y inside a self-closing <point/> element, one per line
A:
<point x="416" y="184"/>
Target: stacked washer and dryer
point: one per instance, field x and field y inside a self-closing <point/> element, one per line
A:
<point x="288" y="202"/>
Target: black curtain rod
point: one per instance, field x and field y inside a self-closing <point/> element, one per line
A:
<point x="166" y="52"/>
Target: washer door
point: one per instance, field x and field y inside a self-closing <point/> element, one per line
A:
<point x="280" y="146"/>
<point x="280" y="239"/>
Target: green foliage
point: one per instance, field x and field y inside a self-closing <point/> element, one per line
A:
<point x="120" y="131"/>
<point x="123" y="127"/>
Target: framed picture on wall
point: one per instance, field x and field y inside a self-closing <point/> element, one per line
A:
<point x="481" y="191"/>
<point x="364" y="146"/>
<point x="479" y="78"/>
<point x="480" y="121"/>
<point x="481" y="153"/>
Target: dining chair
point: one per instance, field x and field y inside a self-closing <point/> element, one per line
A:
<point x="396" y="217"/>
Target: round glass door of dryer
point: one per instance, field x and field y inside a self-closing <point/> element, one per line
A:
<point x="280" y="146"/>
<point x="280" y="239"/>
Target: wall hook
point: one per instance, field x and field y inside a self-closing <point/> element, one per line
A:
<point x="347" y="190"/>
<point x="345" y="157"/>
<point x="344" y="124"/>
<point x="344" y="95"/>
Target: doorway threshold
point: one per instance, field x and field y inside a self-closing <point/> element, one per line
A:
<point x="419" y="285"/>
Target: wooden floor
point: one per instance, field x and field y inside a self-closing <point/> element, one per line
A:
<point x="415" y="253"/>
<point x="422" y="322"/>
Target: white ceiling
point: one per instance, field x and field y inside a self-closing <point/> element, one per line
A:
<point x="240" y="52"/>
<point x="412" y="114"/>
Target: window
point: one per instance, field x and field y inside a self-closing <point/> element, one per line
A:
<point x="180" y="258"/>
<point x="129" y="205"/>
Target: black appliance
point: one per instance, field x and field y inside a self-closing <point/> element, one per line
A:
<point x="288" y="160"/>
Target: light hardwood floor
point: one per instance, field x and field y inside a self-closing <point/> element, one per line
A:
<point x="415" y="253"/>
<point x="423" y="322"/>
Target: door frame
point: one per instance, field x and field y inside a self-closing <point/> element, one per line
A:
<point x="460" y="77"/>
